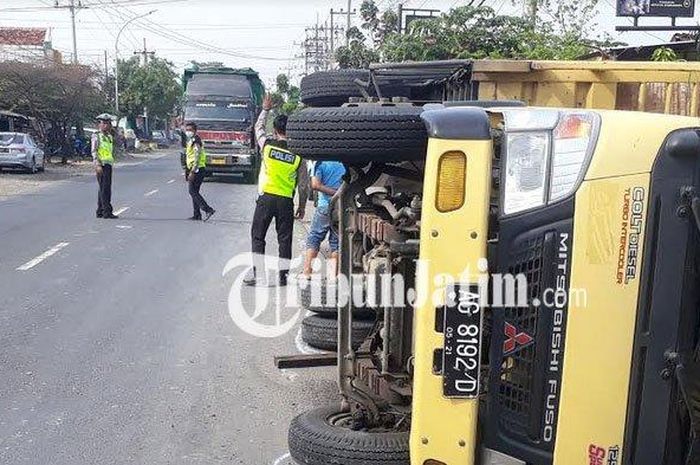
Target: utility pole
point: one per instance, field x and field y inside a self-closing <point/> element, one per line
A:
<point x="336" y="29"/>
<point x="116" y="57"/>
<point x="106" y="72"/>
<point x="72" y="7"/>
<point x="145" y="53"/>
<point x="400" y="25"/>
<point x="316" y="49"/>
<point x="531" y="7"/>
<point x="349" y="25"/>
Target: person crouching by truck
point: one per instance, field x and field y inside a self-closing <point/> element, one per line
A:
<point x="326" y="180"/>
<point x="195" y="166"/>
<point x="281" y="173"/>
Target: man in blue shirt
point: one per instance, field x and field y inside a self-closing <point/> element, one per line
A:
<point x="327" y="176"/>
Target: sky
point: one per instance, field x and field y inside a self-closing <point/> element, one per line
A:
<point x="262" y="34"/>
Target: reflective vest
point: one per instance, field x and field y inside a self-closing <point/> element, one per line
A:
<point x="105" y="148"/>
<point x="278" y="174"/>
<point x="191" y="154"/>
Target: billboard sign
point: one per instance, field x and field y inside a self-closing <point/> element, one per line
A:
<point x="666" y="8"/>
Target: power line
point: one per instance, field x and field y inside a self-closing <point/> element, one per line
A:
<point x="180" y="38"/>
<point x="72" y="8"/>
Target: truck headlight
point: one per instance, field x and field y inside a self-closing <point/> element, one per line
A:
<point x="526" y="165"/>
<point x="545" y="162"/>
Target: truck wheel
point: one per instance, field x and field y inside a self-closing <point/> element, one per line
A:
<point x="323" y="436"/>
<point x="313" y="296"/>
<point x="321" y="332"/>
<point x="359" y="134"/>
<point x="331" y="88"/>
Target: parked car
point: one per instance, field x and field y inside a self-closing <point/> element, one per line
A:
<point x="19" y="150"/>
<point x="160" y="138"/>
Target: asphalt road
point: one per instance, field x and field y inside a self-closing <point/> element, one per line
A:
<point x="116" y="343"/>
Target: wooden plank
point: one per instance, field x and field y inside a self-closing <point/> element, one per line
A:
<point x="501" y="66"/>
<point x="642" y="101"/>
<point x="328" y="359"/>
<point x="602" y="96"/>
<point x="590" y="76"/>
<point x="695" y="99"/>
<point x="616" y="66"/>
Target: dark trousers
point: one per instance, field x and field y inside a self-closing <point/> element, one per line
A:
<point x="198" y="203"/>
<point x="267" y="208"/>
<point x="104" y="193"/>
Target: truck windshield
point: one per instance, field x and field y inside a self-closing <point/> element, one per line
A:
<point x="230" y="86"/>
<point x="217" y="113"/>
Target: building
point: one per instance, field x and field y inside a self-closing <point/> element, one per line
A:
<point x="27" y="44"/>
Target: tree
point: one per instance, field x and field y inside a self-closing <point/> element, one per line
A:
<point x="474" y="32"/>
<point x="286" y="96"/>
<point x="478" y="32"/>
<point x="154" y="86"/>
<point x="282" y="83"/>
<point x="58" y="96"/>
<point x="356" y="54"/>
<point x="664" y="54"/>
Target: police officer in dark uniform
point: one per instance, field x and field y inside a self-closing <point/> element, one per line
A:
<point x="281" y="174"/>
<point x="103" y="150"/>
<point x="195" y="165"/>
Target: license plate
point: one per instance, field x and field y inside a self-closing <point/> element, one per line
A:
<point x="463" y="322"/>
<point x="218" y="161"/>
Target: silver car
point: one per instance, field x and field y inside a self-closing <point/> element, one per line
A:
<point x="18" y="150"/>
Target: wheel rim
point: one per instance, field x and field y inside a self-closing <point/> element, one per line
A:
<point x="344" y="420"/>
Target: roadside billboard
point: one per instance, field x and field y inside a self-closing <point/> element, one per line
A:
<point x="667" y="8"/>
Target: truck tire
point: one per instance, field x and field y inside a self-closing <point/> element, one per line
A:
<point x="331" y="88"/>
<point x="321" y="437"/>
<point x="321" y="332"/>
<point x="359" y="134"/>
<point x="307" y="300"/>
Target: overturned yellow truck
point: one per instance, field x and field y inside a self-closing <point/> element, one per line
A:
<point x="547" y="245"/>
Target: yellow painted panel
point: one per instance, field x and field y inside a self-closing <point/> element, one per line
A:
<point x="510" y="91"/>
<point x="600" y="327"/>
<point x="630" y="141"/>
<point x="602" y="96"/>
<point x="445" y="429"/>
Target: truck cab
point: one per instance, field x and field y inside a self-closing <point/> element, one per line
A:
<point x="550" y="257"/>
<point x="224" y="103"/>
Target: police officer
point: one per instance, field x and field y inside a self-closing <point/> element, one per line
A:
<point x="103" y="149"/>
<point x="195" y="164"/>
<point x="281" y="173"/>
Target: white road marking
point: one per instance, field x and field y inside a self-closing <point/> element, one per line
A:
<point x="281" y="459"/>
<point x="303" y="347"/>
<point x="34" y="262"/>
<point x="124" y="226"/>
<point x="171" y="181"/>
<point x="121" y="210"/>
<point x="148" y="194"/>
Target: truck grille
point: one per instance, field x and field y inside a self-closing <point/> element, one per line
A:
<point x="517" y="371"/>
